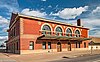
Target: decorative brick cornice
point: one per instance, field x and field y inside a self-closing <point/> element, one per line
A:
<point x="47" y="20"/>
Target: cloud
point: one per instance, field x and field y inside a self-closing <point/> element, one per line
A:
<point x="3" y="38"/>
<point x="56" y="6"/>
<point x="95" y="13"/>
<point x="3" y="20"/>
<point x="93" y="25"/>
<point x="42" y="8"/>
<point x="10" y="8"/>
<point x="70" y="13"/>
<point x="6" y="8"/>
<point x="97" y="10"/>
<point x="11" y="5"/>
<point x="93" y="22"/>
<point x="49" y="6"/>
<point x="3" y="26"/>
<point x="5" y="29"/>
<point x="33" y="13"/>
<point x="43" y="0"/>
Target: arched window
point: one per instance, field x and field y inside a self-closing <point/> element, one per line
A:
<point x="46" y="30"/>
<point x="77" y="33"/>
<point x="68" y="32"/>
<point x="58" y="31"/>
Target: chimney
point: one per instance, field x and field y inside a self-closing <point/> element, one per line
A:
<point x="79" y="22"/>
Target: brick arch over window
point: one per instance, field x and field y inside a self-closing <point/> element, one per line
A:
<point x="59" y="30"/>
<point x="46" y="27"/>
<point x="46" y="24"/>
<point x="70" y="29"/>
<point x="77" y="30"/>
<point x="60" y="27"/>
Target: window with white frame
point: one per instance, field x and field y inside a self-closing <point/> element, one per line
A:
<point x="44" y="45"/>
<point x="77" y="33"/>
<point x="59" y="31"/>
<point x="31" y="45"/>
<point x="46" y="30"/>
<point x="49" y="45"/>
<point x="68" y="32"/>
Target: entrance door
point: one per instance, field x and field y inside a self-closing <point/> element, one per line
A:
<point x="69" y="46"/>
<point x="31" y="46"/>
<point x="58" y="47"/>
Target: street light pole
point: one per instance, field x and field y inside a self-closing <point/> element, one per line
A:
<point x="91" y="49"/>
<point x="91" y="43"/>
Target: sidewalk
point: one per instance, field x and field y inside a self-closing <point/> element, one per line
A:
<point x="45" y="57"/>
<point x="5" y="58"/>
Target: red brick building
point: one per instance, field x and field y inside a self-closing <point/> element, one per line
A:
<point x="35" y="35"/>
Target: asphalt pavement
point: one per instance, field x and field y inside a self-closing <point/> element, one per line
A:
<point x="86" y="58"/>
<point x="67" y="56"/>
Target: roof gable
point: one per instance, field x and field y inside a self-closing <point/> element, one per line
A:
<point x="14" y="15"/>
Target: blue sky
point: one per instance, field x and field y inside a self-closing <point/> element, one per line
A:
<point x="60" y="10"/>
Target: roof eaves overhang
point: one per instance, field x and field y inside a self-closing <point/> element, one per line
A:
<point x="63" y="38"/>
<point x="47" y="20"/>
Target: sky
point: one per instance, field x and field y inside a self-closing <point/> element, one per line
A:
<point x="59" y="10"/>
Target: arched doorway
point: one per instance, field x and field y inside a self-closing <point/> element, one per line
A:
<point x="69" y="46"/>
<point x="59" y="47"/>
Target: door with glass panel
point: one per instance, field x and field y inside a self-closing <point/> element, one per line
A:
<point x="31" y="46"/>
<point x="59" y="49"/>
<point x="69" y="46"/>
